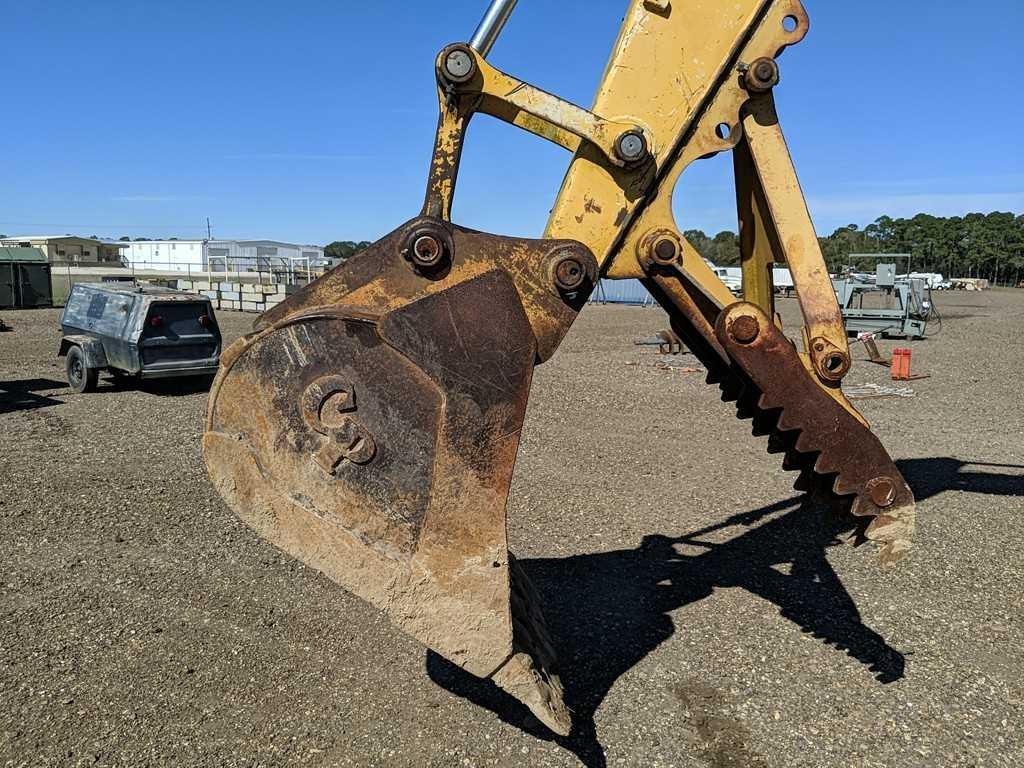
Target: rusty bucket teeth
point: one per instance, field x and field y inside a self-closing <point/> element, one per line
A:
<point x="747" y="407"/>
<point x="835" y="454"/>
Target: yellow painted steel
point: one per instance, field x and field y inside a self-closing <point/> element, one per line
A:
<point x="676" y="74"/>
<point x="545" y="115"/>
<point x="795" y="235"/>
<point x="667" y="62"/>
<point x="702" y="109"/>
<point x="758" y="242"/>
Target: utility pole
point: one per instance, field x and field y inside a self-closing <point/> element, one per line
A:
<point x="206" y="251"/>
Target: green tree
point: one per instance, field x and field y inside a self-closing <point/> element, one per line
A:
<point x="974" y="245"/>
<point x="343" y="250"/>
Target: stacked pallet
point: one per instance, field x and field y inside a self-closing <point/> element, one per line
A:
<point x="239" y="297"/>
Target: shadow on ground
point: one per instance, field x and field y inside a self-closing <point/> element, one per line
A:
<point x="179" y="387"/>
<point x="930" y="477"/>
<point x="26" y="394"/>
<point x="175" y="386"/>
<point x="607" y="611"/>
<point x="29" y="394"/>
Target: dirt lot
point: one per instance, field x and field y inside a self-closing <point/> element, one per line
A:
<point x="141" y="623"/>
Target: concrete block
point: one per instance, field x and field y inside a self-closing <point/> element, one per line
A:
<point x="201" y="285"/>
<point x="184" y="285"/>
<point x="248" y="288"/>
<point x="227" y="304"/>
<point x="210" y="294"/>
<point x="253" y="306"/>
<point x="276" y="298"/>
<point x="233" y="287"/>
<point x="231" y="295"/>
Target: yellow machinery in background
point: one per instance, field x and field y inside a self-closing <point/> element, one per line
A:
<point x="369" y="425"/>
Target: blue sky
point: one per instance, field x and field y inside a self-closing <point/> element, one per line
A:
<point x="313" y="120"/>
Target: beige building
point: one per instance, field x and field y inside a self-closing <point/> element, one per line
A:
<point x="70" y="249"/>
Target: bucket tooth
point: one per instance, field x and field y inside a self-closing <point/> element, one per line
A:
<point x="789" y="420"/>
<point x="768" y="403"/>
<point x="530" y="674"/>
<point x="805" y="481"/>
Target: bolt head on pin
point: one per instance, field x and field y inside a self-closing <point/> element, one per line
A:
<point x="744" y="329"/>
<point x="660" y="247"/>
<point x="459" y="65"/>
<point x="631" y="147"/>
<point x="665" y="251"/>
<point x="427" y="251"/>
<point x="568" y="272"/>
<point x="762" y="75"/>
<point x="427" y="248"/>
<point x="883" y="492"/>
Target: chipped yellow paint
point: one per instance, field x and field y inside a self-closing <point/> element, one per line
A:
<point x="694" y="135"/>
<point x="664" y="64"/>
<point x="543" y="114"/>
<point x="791" y="221"/>
<point x="703" y="46"/>
<point x="834" y="390"/>
<point x="704" y="43"/>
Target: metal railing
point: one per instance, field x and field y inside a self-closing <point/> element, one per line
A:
<point x="266" y="269"/>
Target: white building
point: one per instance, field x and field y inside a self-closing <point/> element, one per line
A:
<point x="220" y="255"/>
<point x="70" y="249"/>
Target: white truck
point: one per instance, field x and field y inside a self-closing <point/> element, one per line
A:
<point x="732" y="277"/>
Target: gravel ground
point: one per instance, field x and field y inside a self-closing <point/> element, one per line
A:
<point x="141" y="623"/>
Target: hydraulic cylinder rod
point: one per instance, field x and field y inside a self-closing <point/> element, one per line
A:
<point x="490" y="27"/>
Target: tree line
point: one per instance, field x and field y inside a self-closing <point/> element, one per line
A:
<point x="976" y="245"/>
<point x="342" y="250"/>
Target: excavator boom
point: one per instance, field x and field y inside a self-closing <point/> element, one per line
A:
<point x="369" y="425"/>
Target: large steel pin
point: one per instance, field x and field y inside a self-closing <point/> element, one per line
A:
<point x="490" y="27"/>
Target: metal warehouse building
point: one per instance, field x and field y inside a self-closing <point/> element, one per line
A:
<point x="621" y="292"/>
<point x="219" y="255"/>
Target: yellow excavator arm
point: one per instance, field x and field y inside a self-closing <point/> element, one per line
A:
<point x="369" y="425"/>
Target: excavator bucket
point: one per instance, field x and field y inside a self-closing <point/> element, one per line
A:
<point x="369" y="428"/>
<point x="369" y="425"/>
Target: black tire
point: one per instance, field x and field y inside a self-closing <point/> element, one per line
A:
<point x="81" y="377"/>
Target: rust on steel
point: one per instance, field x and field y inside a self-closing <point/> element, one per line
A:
<point x="843" y="446"/>
<point x="757" y="367"/>
<point x="370" y="423"/>
<point x="369" y="427"/>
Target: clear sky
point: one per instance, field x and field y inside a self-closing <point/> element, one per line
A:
<point x="313" y="120"/>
